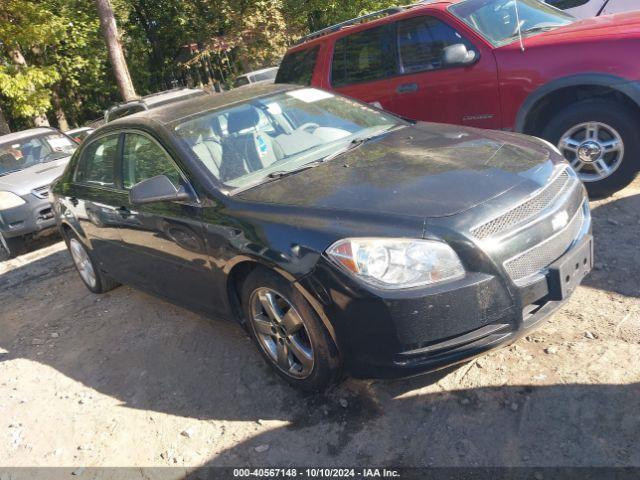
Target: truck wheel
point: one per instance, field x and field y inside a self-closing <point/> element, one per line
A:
<point x="11" y="247"/>
<point x="600" y="140"/>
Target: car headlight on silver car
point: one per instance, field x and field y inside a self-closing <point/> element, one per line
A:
<point x="394" y="263"/>
<point x="10" y="200"/>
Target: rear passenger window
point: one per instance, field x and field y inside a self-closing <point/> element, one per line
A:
<point x="142" y="158"/>
<point x="297" y="67"/>
<point x="421" y="43"/>
<point x="97" y="164"/>
<point x="363" y="57"/>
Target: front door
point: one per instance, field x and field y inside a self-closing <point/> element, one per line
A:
<point x="363" y="64"/>
<point x="163" y="242"/>
<point x="427" y="89"/>
<point x="94" y="197"/>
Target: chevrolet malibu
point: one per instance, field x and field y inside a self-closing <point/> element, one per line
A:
<point x="342" y="237"/>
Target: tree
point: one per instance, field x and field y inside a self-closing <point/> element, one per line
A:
<point x="26" y="27"/>
<point x="116" y="55"/>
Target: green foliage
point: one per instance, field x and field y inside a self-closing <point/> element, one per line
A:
<point x="65" y="54"/>
<point x="26" y="89"/>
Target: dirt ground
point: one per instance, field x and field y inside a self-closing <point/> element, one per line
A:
<point x="125" y="379"/>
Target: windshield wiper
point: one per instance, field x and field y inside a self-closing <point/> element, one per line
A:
<point x="10" y="171"/>
<point x="285" y="173"/>
<point x="352" y="145"/>
<point x="538" y="28"/>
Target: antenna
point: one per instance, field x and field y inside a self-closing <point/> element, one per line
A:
<point x="519" y="29"/>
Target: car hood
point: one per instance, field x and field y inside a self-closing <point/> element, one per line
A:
<point x="39" y="175"/>
<point x="426" y="170"/>
<point x="621" y="25"/>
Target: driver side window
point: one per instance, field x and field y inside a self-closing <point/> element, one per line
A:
<point x="142" y="158"/>
<point x="97" y="164"/>
<point x="421" y="43"/>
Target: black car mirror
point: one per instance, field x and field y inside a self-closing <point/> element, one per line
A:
<point x="457" y="54"/>
<point x="157" y="189"/>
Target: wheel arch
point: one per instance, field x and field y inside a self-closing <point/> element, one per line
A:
<point x="558" y="94"/>
<point x="66" y="228"/>
<point x="238" y="271"/>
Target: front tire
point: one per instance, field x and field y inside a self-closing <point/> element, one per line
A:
<point x="93" y="278"/>
<point x="600" y="139"/>
<point x="289" y="334"/>
<point x="11" y="247"/>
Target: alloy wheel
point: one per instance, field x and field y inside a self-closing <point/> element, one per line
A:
<point x="82" y="262"/>
<point x="281" y="332"/>
<point x="595" y="150"/>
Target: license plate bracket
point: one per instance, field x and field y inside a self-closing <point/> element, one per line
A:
<point x="568" y="271"/>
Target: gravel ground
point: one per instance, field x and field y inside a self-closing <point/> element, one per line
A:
<point x="125" y="379"/>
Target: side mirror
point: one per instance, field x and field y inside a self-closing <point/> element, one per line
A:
<point x="457" y="54"/>
<point x="157" y="189"/>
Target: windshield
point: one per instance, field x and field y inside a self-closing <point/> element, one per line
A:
<point x="25" y="152"/>
<point x="497" y="20"/>
<point x="280" y="133"/>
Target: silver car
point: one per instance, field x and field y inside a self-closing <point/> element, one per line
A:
<point x="29" y="161"/>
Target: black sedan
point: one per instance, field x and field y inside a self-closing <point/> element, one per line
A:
<point x="340" y="236"/>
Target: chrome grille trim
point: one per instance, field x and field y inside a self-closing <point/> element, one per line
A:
<point x="540" y="256"/>
<point x="41" y="192"/>
<point x="531" y="207"/>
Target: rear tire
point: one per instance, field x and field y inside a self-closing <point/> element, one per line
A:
<point x="93" y="278"/>
<point x="11" y="247"/>
<point x="291" y="336"/>
<point x="613" y="120"/>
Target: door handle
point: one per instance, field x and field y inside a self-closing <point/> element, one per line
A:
<point x="407" y="88"/>
<point x="124" y="212"/>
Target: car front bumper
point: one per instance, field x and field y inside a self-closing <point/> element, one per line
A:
<point x="405" y="333"/>
<point x="34" y="216"/>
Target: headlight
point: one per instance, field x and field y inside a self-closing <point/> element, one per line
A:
<point x="397" y="263"/>
<point x="10" y="200"/>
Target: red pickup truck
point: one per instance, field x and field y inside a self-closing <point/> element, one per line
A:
<point x="501" y="64"/>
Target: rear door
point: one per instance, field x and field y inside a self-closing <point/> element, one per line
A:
<point x="427" y="89"/>
<point x="163" y="242"/>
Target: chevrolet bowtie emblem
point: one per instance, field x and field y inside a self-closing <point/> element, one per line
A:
<point x="559" y="220"/>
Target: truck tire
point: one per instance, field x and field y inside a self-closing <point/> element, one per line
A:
<point x="600" y="139"/>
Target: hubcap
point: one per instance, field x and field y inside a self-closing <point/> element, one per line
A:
<point x="83" y="263"/>
<point x="594" y="149"/>
<point x="281" y="332"/>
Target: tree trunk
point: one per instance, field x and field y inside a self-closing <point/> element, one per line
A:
<point x="4" y="126"/>
<point x="17" y="57"/>
<point x="111" y="38"/>
<point x="63" y="124"/>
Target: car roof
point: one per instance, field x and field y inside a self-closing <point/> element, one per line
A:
<point x="262" y="70"/>
<point x="79" y="129"/>
<point x="366" y="22"/>
<point x="153" y="99"/>
<point x="181" y="109"/>
<point x="161" y="97"/>
<point x="12" y="137"/>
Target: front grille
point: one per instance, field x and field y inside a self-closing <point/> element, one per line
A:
<point x="41" y="192"/>
<point x="526" y="210"/>
<point x="543" y="254"/>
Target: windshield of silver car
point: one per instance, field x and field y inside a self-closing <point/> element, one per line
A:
<point x="501" y="21"/>
<point x="279" y="134"/>
<point x="25" y="152"/>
